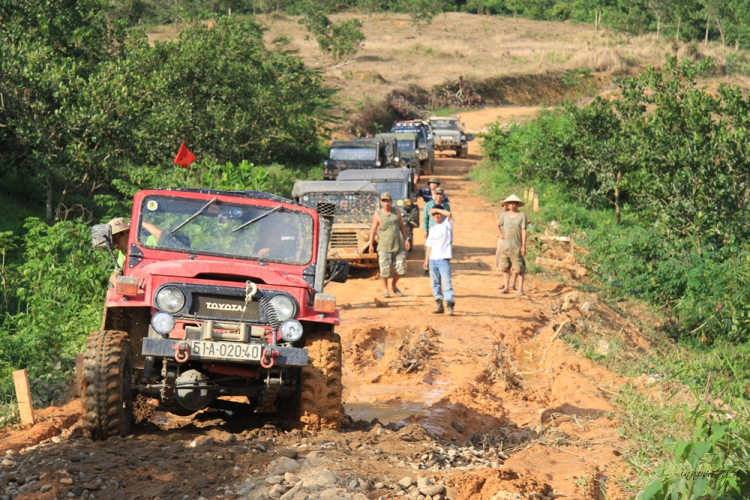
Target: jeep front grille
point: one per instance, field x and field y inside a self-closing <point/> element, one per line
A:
<point x="225" y="308"/>
<point x="344" y="240"/>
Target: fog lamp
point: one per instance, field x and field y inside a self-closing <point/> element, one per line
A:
<point x="162" y="323"/>
<point x="291" y="330"/>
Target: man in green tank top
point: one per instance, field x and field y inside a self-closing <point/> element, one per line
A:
<point x="392" y="243"/>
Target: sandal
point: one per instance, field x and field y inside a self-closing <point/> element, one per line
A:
<point x="386" y="295"/>
<point x="519" y="293"/>
<point x="398" y="292"/>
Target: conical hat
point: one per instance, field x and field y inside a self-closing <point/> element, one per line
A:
<point x="512" y="198"/>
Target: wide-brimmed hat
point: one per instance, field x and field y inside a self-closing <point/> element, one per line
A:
<point x="386" y="196"/>
<point x="119" y="225"/>
<point x="433" y="179"/>
<point x="439" y="190"/>
<point x="512" y="198"/>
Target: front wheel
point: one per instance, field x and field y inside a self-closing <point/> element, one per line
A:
<point x="320" y="382"/>
<point x="106" y="392"/>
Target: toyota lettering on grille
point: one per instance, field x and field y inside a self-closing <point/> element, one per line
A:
<point x="215" y="306"/>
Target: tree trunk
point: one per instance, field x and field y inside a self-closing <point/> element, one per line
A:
<point x="658" y="26"/>
<point x="49" y="199"/>
<point x="705" y="42"/>
<point x="721" y="31"/>
<point x="677" y="34"/>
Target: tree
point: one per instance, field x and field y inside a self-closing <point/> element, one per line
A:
<point x="340" y="41"/>
<point x="49" y="50"/>
<point x="422" y="11"/>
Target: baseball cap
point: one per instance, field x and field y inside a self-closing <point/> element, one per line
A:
<point x="439" y="190"/>
<point x="386" y="196"/>
<point x="433" y="179"/>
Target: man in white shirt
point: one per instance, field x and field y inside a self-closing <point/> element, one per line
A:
<point x="438" y="253"/>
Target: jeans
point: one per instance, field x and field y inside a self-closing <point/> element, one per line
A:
<point x="440" y="271"/>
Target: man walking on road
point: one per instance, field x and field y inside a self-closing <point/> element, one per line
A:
<point x="428" y="193"/>
<point x="512" y="226"/>
<point x="388" y="223"/>
<point x="438" y="253"/>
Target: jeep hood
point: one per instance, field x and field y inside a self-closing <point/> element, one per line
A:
<point x="193" y="268"/>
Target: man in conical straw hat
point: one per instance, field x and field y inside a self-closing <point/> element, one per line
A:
<point x="513" y="224"/>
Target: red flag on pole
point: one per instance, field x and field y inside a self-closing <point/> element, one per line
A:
<point x="184" y="157"/>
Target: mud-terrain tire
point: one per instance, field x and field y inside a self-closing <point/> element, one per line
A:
<point x="320" y="382"/>
<point x="465" y="152"/>
<point x="106" y="393"/>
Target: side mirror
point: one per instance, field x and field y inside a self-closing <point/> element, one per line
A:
<point x="338" y="270"/>
<point x="101" y="236"/>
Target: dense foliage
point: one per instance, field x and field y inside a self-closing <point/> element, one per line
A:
<point x="89" y="114"/>
<point x="84" y="105"/>
<point x="725" y="20"/>
<point x="671" y="160"/>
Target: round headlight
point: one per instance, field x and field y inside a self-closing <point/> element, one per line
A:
<point x="400" y="203"/>
<point x="291" y="330"/>
<point x="284" y="307"/>
<point x="463" y="137"/>
<point x="397" y="159"/>
<point x="377" y="163"/>
<point x="170" y="299"/>
<point x="162" y="322"/>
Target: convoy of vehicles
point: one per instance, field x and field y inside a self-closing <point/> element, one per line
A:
<point x="222" y="292"/>
<point x="355" y="201"/>
<point x="426" y="142"/>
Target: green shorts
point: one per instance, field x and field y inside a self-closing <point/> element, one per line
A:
<point x="513" y="258"/>
<point x="395" y="260"/>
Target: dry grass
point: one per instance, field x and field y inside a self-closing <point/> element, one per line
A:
<point x="474" y="46"/>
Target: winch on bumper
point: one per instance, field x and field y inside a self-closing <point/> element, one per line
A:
<point x="234" y="352"/>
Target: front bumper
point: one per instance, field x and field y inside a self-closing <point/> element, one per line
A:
<point x="163" y="348"/>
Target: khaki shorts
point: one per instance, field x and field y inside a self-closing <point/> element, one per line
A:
<point x="395" y="260"/>
<point x="513" y="258"/>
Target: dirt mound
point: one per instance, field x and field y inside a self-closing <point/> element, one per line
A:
<point x="500" y="485"/>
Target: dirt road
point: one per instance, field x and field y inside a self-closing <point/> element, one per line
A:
<point x="495" y="405"/>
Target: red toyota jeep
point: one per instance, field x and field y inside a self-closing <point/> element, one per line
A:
<point x="221" y="295"/>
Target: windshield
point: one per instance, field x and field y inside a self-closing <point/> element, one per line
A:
<point x="451" y="124"/>
<point x="405" y="146"/>
<point x="350" y="207"/>
<point x="283" y="236"/>
<point x="396" y="188"/>
<point x="353" y="154"/>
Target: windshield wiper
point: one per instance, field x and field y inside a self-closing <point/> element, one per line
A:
<point x="196" y="214"/>
<point x="275" y="209"/>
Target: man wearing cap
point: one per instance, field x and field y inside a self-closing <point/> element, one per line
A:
<point x="392" y="242"/>
<point x="428" y="193"/>
<point x="438" y="253"/>
<point x="121" y="234"/>
<point x="512" y="224"/>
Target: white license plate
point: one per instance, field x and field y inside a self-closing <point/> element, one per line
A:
<point x="229" y="351"/>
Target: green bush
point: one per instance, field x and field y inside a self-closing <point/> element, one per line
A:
<point x="712" y="463"/>
<point x="671" y="160"/>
